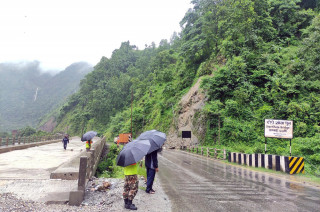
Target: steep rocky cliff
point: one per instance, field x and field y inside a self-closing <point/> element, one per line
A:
<point x="188" y="118"/>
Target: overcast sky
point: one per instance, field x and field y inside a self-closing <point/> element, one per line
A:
<point x="60" y="32"/>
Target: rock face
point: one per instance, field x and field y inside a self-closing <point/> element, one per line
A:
<point x="49" y="125"/>
<point x="188" y="118"/>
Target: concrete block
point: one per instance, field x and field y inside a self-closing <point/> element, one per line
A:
<point x="282" y="164"/>
<point x="262" y="161"/>
<point x="256" y="160"/>
<point x="278" y="165"/>
<point x="266" y="161"/>
<point x="65" y="175"/>
<point x="82" y="172"/>
<point x="259" y="160"/>
<point x="57" y="198"/>
<point x="286" y="164"/>
<point x="274" y="162"/>
<point x="76" y="197"/>
<point x="253" y="159"/>
<point x="270" y="164"/>
<point x="244" y="159"/>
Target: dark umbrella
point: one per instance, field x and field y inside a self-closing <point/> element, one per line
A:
<point x="156" y="139"/>
<point x="88" y="135"/>
<point x="133" y="152"/>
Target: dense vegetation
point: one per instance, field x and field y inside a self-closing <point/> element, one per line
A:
<point x="260" y="58"/>
<point x="27" y="94"/>
<point x="107" y="166"/>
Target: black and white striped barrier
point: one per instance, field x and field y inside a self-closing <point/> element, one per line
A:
<point x="290" y="165"/>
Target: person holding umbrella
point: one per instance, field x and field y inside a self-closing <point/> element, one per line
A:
<point x="88" y="138"/>
<point x="128" y="158"/>
<point x="151" y="163"/>
<point x="88" y="145"/>
<point x="156" y="140"/>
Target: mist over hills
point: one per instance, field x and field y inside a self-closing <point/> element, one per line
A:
<point x="27" y="93"/>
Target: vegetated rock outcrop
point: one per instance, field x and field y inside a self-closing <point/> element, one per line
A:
<point x="188" y="118"/>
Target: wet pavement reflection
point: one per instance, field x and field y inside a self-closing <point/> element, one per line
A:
<point x="195" y="183"/>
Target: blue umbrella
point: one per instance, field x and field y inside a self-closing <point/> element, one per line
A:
<point x="156" y="139"/>
<point x="88" y="135"/>
<point x="133" y="152"/>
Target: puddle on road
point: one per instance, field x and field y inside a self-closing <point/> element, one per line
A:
<point x="294" y="186"/>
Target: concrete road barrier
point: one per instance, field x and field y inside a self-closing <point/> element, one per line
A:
<point x="4" y="149"/>
<point x="290" y="165"/>
<point x="88" y="164"/>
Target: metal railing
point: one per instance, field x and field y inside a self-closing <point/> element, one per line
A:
<point x="209" y="152"/>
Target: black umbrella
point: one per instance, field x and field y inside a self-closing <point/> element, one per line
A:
<point x="133" y="152"/>
<point x="88" y="135"/>
<point x="156" y="139"/>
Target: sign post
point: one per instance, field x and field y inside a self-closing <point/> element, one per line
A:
<point x="186" y="134"/>
<point x="274" y="128"/>
<point x="265" y="145"/>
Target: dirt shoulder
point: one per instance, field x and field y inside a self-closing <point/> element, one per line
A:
<point x="95" y="200"/>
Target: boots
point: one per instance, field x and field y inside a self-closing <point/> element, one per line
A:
<point x="130" y="206"/>
<point x="125" y="203"/>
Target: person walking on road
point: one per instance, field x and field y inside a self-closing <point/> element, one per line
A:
<point x="131" y="184"/>
<point x="65" y="142"/>
<point x="151" y="163"/>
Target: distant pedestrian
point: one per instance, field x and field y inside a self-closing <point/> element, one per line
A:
<point x="65" y="141"/>
<point x="88" y="145"/>
<point x="131" y="184"/>
<point x="151" y="163"/>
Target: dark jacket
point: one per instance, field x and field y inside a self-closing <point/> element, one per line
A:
<point x="65" y="140"/>
<point x="152" y="158"/>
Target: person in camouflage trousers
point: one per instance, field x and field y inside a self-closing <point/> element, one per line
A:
<point x="131" y="184"/>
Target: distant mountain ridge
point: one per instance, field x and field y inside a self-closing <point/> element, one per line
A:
<point x="27" y="94"/>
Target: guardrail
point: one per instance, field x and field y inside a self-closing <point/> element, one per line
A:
<point x="10" y="144"/>
<point x="27" y="140"/>
<point x="290" y="165"/>
<point x="209" y="152"/>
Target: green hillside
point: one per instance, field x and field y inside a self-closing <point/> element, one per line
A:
<point x="260" y="59"/>
<point x="27" y="94"/>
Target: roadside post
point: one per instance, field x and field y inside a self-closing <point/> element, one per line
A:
<point x="265" y="145"/>
<point x="290" y="147"/>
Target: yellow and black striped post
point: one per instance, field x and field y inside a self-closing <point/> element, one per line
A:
<point x="296" y="165"/>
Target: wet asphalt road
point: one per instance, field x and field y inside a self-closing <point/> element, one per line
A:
<point x="195" y="183"/>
